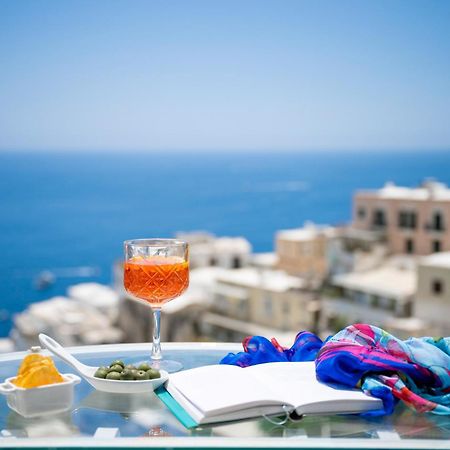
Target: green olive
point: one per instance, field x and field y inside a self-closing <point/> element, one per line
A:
<point x="113" y="376"/>
<point x="142" y="375"/>
<point x="115" y="368"/>
<point x="127" y="375"/>
<point x="153" y="373"/>
<point x="101" y="372"/>
<point x="130" y="367"/>
<point x="144" y="366"/>
<point x="117" y="362"/>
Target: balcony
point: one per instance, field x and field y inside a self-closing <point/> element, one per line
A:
<point x="435" y="229"/>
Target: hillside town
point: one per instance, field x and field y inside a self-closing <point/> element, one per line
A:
<point x="389" y="267"/>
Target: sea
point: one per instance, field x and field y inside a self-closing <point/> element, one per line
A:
<point x="69" y="212"/>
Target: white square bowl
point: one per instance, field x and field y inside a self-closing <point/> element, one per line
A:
<point x="42" y="400"/>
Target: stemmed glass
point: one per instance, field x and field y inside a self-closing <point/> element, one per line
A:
<point x="157" y="271"/>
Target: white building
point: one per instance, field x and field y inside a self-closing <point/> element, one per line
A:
<point x="433" y="293"/>
<point x="85" y="319"/>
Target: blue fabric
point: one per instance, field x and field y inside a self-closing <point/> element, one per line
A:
<point x="258" y="350"/>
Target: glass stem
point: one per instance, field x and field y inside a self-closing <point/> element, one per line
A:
<point x="156" y="348"/>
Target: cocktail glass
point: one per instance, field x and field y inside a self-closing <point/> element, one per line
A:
<point x="156" y="271"/>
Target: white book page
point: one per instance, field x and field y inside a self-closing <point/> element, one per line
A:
<point x="221" y="388"/>
<point x="296" y="384"/>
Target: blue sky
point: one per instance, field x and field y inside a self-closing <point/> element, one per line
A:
<point x="211" y="75"/>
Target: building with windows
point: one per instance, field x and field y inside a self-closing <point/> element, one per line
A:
<point x="316" y="252"/>
<point x="433" y="293"/>
<point x="412" y="220"/>
<point x="252" y="301"/>
<point x="89" y="315"/>
<point x="303" y="251"/>
<point x="354" y="250"/>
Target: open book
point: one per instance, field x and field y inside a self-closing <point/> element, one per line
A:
<point x="221" y="393"/>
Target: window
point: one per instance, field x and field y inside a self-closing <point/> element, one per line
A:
<point x="353" y="296"/>
<point x="243" y="309"/>
<point x="306" y="249"/>
<point x="236" y="263"/>
<point x="268" y="307"/>
<point x="437" y="222"/>
<point x="379" y="218"/>
<point x="409" y="246"/>
<point x="391" y="304"/>
<point x="407" y="219"/>
<point x="221" y="303"/>
<point x="375" y="301"/>
<point x="360" y="298"/>
<point x="437" y="287"/>
<point x="407" y="309"/>
<point x="361" y="213"/>
<point x="383" y="302"/>
<point x="436" y="246"/>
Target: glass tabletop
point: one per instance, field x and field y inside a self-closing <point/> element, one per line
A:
<point x="141" y="420"/>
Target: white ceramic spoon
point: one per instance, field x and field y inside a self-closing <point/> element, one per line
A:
<point x="101" y="384"/>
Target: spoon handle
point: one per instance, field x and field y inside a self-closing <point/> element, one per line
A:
<point x="58" y="350"/>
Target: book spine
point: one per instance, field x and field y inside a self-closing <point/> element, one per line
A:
<point x="177" y="410"/>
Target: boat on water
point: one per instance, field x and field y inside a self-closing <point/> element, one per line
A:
<point x="45" y="280"/>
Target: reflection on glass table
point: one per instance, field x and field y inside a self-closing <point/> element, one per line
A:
<point x="101" y="416"/>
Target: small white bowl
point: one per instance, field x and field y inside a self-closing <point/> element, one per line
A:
<point x="126" y="387"/>
<point x="42" y="400"/>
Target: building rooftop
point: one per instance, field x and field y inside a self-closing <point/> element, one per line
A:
<point x="67" y="320"/>
<point x="195" y="237"/>
<point x="232" y="244"/>
<point x="94" y="294"/>
<point x="272" y="280"/>
<point x="264" y="260"/>
<point x="218" y="245"/>
<point x="386" y="281"/>
<point x="428" y="190"/>
<point x="437" y="260"/>
<point x="308" y="232"/>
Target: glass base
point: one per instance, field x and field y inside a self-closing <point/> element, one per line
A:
<point x="164" y="364"/>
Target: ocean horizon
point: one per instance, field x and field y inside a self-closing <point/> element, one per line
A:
<point x="70" y="212"/>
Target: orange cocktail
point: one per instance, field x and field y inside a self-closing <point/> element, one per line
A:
<point x="156" y="271"/>
<point x="156" y="279"/>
